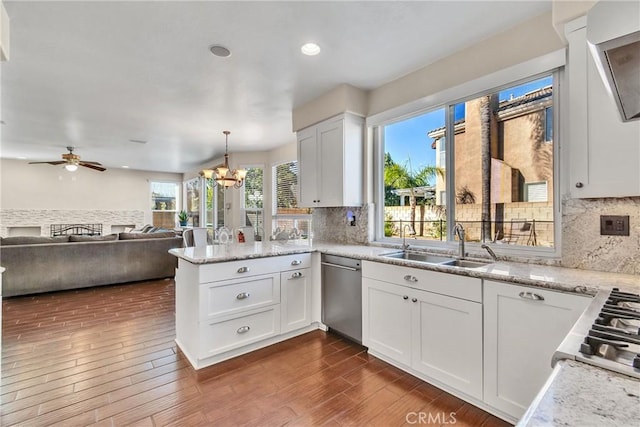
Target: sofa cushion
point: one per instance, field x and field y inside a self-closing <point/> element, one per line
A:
<point x="30" y="240"/>
<point x="131" y="236"/>
<point x="93" y="238"/>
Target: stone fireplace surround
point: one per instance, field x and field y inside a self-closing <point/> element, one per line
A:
<point x="37" y="222"/>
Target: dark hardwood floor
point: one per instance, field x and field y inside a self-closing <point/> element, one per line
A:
<point x="106" y="356"/>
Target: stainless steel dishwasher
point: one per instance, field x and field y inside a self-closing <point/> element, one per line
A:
<point x="342" y="296"/>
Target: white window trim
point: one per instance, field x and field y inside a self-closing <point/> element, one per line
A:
<point x="527" y="71"/>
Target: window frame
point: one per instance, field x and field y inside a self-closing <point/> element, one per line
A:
<point x="490" y="84"/>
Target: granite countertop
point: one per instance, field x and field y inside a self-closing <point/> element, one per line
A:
<point x="577" y="394"/>
<point x="562" y="279"/>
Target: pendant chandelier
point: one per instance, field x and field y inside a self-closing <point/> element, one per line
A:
<point x="223" y="175"/>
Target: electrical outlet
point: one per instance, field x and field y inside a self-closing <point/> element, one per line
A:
<point x="614" y="225"/>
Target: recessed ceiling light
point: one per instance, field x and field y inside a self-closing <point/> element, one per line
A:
<point x="125" y="167"/>
<point x="221" y="51"/>
<point x="310" y="49"/>
<point x="22" y="158"/>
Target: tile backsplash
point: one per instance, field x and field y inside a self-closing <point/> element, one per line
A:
<point x="333" y="225"/>
<point x="584" y="247"/>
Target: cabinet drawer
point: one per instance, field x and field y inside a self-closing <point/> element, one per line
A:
<point x="251" y="267"/>
<point x="232" y="296"/>
<point x="218" y="337"/>
<point x="469" y="288"/>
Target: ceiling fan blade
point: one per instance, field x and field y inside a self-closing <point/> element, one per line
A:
<point x="92" y="166"/>
<point x="59" y="162"/>
<point x="92" y="163"/>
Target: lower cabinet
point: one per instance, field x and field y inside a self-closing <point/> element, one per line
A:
<point x="523" y="326"/>
<point x="386" y="319"/>
<point x="436" y="335"/>
<point x="218" y="336"/>
<point x="229" y="308"/>
<point x="296" y="299"/>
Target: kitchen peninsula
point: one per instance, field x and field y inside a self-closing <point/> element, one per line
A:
<point x="232" y="299"/>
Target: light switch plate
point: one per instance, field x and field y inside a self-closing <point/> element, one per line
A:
<point x="614" y="225"/>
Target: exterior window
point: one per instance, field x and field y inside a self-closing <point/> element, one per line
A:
<point x="502" y="147"/>
<point x="414" y="172"/>
<point x="535" y="192"/>
<point x="289" y="220"/>
<point x="253" y="200"/>
<point x="500" y="161"/>
<point x="548" y="124"/>
<point x="192" y="201"/>
<point x="164" y="203"/>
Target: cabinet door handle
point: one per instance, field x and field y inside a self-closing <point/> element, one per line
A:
<point x="296" y="275"/>
<point x="405" y="297"/>
<point x="243" y="329"/>
<point x="414" y="299"/>
<point x="243" y="270"/>
<point x="531" y="295"/>
<point x="243" y="295"/>
<point x="579" y="185"/>
<point x="410" y="278"/>
<point x="296" y="262"/>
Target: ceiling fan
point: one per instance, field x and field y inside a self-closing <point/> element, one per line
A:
<point x="72" y="161"/>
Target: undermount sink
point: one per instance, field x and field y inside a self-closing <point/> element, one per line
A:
<point x="465" y="263"/>
<point x="419" y="256"/>
<point x="435" y="259"/>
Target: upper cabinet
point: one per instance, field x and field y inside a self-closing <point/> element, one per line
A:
<point x="330" y="162"/>
<point x="604" y="152"/>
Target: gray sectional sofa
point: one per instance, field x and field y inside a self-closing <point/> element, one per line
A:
<point x="42" y="264"/>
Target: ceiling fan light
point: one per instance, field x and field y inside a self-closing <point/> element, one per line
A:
<point x="70" y="167"/>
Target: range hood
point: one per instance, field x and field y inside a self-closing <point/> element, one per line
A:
<point x="613" y="34"/>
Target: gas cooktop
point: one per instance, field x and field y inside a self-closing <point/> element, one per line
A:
<point x="607" y="334"/>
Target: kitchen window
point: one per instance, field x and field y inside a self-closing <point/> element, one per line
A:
<point x="252" y="200"/>
<point x="486" y="161"/>
<point x="289" y="220"/>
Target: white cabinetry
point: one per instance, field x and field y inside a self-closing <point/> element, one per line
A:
<point x="296" y="299"/>
<point x="426" y="321"/>
<point x="523" y="326"/>
<point x="229" y="308"/>
<point x="330" y="159"/>
<point x="604" y="152"/>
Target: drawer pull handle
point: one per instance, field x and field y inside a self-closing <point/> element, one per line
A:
<point x="296" y="262"/>
<point x="296" y="275"/>
<point x="243" y="270"/>
<point x="531" y="295"/>
<point x="243" y="329"/>
<point x="410" y="278"/>
<point x="243" y="295"/>
<point x="405" y="297"/>
<point x="414" y="299"/>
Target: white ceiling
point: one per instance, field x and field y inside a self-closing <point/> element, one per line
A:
<point x="96" y="75"/>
